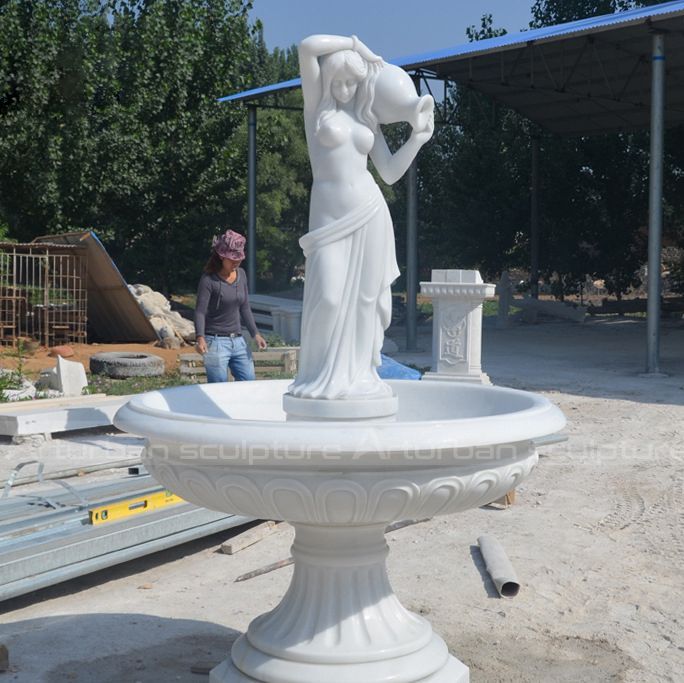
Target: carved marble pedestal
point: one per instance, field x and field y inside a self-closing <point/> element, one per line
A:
<point x="340" y="621"/>
<point x="229" y="447"/>
<point x="457" y="297"/>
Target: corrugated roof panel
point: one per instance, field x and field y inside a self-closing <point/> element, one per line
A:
<point x="256" y="93"/>
<point x="547" y="33"/>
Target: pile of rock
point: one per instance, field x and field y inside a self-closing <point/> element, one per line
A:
<point x="172" y="328"/>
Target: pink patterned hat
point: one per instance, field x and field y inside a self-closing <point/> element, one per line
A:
<point x="230" y="245"/>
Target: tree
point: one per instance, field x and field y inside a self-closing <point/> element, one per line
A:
<point x="48" y="64"/>
<point x="474" y="181"/>
<point x="170" y="146"/>
<point x="551" y="12"/>
<point x="109" y="120"/>
<point x="594" y="189"/>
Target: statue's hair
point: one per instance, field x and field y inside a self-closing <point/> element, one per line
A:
<point x="366" y="73"/>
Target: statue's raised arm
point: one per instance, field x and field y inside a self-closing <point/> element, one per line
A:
<point x="313" y="47"/>
<point x="348" y="93"/>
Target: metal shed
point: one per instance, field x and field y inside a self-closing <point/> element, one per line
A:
<point x="585" y="77"/>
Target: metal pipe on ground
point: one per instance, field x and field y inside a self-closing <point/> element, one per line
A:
<point x="499" y="566"/>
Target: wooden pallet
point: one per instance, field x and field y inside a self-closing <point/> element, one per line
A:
<point x="281" y="361"/>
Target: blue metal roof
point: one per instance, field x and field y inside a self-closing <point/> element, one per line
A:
<point x="511" y="41"/>
<point x="260" y="92"/>
<point x="547" y="33"/>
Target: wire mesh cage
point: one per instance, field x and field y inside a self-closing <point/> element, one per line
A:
<point x="43" y="293"/>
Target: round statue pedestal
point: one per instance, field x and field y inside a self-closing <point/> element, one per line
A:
<point x="340" y="621"/>
<point x="342" y="409"/>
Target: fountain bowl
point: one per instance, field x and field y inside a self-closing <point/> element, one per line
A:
<point x="230" y="447"/>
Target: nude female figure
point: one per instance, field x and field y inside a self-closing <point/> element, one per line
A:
<point x="351" y="260"/>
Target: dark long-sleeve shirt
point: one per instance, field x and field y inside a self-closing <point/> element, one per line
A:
<point x="220" y="306"/>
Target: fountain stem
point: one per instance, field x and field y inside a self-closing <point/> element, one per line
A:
<point x="340" y="621"/>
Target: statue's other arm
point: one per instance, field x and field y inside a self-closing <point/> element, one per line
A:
<point x="390" y="166"/>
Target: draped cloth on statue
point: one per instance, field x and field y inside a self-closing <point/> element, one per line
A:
<point x="350" y="266"/>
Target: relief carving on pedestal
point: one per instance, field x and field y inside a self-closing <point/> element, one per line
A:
<point x="453" y="337"/>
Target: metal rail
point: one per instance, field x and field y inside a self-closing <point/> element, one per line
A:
<point x="46" y="538"/>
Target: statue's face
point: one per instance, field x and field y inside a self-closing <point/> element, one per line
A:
<point x="344" y="85"/>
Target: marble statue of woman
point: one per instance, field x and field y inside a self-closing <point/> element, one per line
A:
<point x="349" y="249"/>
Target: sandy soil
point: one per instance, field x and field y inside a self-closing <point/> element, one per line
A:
<point x="595" y="536"/>
<point x="40" y="359"/>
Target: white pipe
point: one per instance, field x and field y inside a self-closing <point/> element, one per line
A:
<point x="499" y="566"/>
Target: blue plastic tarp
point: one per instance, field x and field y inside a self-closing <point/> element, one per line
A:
<point x="391" y="369"/>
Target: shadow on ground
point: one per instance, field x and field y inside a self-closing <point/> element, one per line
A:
<point x="112" y="648"/>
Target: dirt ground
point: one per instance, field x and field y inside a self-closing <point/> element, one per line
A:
<point x="40" y="359"/>
<point x="595" y="537"/>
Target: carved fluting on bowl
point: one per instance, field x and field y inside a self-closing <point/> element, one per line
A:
<point x="331" y="499"/>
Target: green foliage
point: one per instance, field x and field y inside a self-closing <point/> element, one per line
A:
<point x="474" y="183"/>
<point x="593" y="190"/>
<point x="4" y="233"/>
<point x="13" y="378"/>
<point x="9" y="380"/>
<point x="100" y="384"/>
<point x="490" y="308"/>
<point x="174" y="152"/>
<point x="274" y="340"/>
<point x="475" y="180"/>
<point x="550" y="12"/>
<point x="676" y="267"/>
<point x="109" y="119"/>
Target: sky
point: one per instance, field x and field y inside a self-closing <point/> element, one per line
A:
<point x="391" y="28"/>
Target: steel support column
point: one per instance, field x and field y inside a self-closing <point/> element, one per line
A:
<point x="412" y="249"/>
<point x="655" y="203"/>
<point x="534" y="219"/>
<point x="251" y="196"/>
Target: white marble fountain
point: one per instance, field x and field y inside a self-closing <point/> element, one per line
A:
<point x="339" y="453"/>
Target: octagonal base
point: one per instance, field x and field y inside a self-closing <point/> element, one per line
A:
<point x="454" y="671"/>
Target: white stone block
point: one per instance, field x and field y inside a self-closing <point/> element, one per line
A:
<point x="71" y="377"/>
<point x="58" y="415"/>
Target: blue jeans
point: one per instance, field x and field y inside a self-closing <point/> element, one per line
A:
<point x="228" y="352"/>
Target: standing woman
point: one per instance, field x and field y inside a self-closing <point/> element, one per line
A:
<point x="222" y="300"/>
<point x="349" y="249"/>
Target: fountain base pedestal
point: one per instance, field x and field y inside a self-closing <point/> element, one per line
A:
<point x="454" y="671"/>
<point x="340" y="621"/>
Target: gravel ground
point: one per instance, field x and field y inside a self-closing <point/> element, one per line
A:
<point x="595" y="536"/>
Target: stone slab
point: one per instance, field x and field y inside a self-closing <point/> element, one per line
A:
<point x="60" y="415"/>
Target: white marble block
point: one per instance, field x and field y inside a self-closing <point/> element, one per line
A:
<point x="71" y="377"/>
<point x="457" y="297"/>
